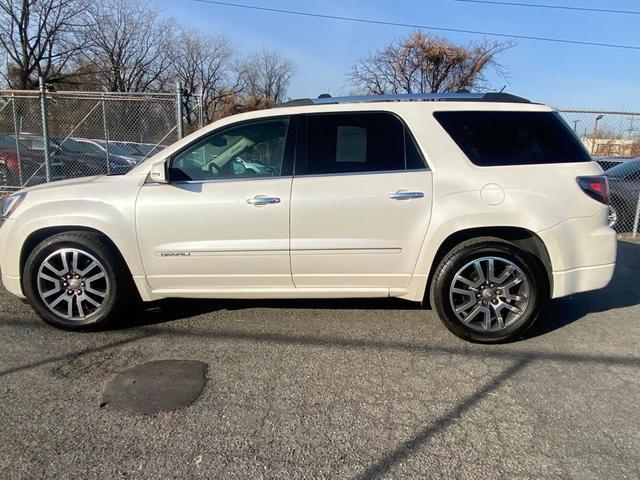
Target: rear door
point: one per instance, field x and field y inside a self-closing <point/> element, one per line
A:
<point x="360" y="203"/>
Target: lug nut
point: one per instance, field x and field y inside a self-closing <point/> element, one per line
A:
<point x="478" y="295"/>
<point x="65" y="284"/>
<point x="484" y="302"/>
<point x="82" y="284"/>
<point x="78" y="291"/>
<point x="69" y="292"/>
<point x="77" y="276"/>
<point x="498" y="292"/>
<point x="494" y="301"/>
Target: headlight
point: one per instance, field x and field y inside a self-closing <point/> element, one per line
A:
<point x="11" y="203"/>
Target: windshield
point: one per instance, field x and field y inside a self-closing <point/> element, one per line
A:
<point x="625" y="170"/>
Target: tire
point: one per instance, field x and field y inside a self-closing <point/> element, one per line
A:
<point x="6" y="177"/>
<point x="514" y="295"/>
<point x="108" y="283"/>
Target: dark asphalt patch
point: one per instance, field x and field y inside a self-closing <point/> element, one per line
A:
<point x="154" y="387"/>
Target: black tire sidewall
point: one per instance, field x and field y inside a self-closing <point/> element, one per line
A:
<point x="538" y="291"/>
<point x="82" y="242"/>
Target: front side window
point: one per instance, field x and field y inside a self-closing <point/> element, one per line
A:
<point x="357" y="142"/>
<point x="248" y="150"/>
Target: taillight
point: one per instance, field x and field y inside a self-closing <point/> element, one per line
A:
<point x="597" y="187"/>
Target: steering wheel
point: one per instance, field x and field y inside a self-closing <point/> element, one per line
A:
<point x="214" y="170"/>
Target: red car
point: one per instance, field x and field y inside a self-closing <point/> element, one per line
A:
<point x="9" y="170"/>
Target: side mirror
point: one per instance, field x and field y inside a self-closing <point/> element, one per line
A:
<point x="158" y="172"/>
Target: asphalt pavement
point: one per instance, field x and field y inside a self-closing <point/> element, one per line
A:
<point x="330" y="389"/>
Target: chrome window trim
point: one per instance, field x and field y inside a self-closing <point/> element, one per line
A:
<point x="343" y="174"/>
<point x="378" y="172"/>
<point x="221" y="180"/>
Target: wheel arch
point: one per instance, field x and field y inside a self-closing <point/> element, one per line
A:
<point x="37" y="236"/>
<point x="523" y="238"/>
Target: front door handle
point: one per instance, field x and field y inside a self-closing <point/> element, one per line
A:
<point x="401" y="195"/>
<point x="263" y="200"/>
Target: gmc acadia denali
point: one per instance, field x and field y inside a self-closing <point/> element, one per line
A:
<point x="481" y="205"/>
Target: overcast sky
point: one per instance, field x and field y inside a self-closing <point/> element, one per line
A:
<point x="323" y="50"/>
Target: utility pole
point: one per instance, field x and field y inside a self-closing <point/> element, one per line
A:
<point x="595" y="133"/>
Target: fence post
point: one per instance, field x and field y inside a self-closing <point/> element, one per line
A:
<point x="637" y="219"/>
<point x="16" y="131"/>
<point x="201" y="107"/>
<point x="45" y="128"/>
<point x="106" y="132"/>
<point x="179" y="113"/>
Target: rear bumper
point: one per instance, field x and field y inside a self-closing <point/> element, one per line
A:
<point x="582" y="253"/>
<point x="582" y="279"/>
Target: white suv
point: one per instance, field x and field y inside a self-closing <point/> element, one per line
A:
<point x="482" y="205"/>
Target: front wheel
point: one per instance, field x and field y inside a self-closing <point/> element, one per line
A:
<point x="488" y="290"/>
<point x="75" y="281"/>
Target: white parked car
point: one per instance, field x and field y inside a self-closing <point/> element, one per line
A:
<point x="482" y="205"/>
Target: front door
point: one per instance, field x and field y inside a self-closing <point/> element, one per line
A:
<point x="222" y="223"/>
<point x="360" y="203"/>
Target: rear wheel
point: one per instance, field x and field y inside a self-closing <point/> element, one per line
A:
<point x="488" y="290"/>
<point x="75" y="281"/>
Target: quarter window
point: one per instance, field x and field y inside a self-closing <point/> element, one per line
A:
<point x="248" y="150"/>
<point x="493" y="138"/>
<point x="357" y="142"/>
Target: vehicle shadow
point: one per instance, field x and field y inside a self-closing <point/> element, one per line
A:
<point x="621" y="292"/>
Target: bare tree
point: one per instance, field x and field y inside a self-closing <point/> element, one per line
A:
<point x="203" y="64"/>
<point x="130" y="45"/>
<point x="265" y="77"/>
<point x="421" y="63"/>
<point x="40" y="37"/>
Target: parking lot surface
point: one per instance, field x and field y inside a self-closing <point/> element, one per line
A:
<point x="332" y="389"/>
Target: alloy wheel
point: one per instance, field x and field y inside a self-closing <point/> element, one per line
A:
<point x="489" y="294"/>
<point x="73" y="284"/>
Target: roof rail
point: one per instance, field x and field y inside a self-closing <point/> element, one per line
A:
<point x="409" y="97"/>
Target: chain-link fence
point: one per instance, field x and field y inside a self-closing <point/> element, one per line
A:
<point x="613" y="140"/>
<point x="48" y="136"/>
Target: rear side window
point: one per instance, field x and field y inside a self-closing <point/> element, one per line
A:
<point x="357" y="142"/>
<point x="513" y="138"/>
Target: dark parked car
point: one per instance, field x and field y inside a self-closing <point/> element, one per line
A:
<point x="69" y="158"/>
<point x="624" y="183"/>
<point x="91" y="157"/>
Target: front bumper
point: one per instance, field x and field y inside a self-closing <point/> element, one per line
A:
<point x="10" y="245"/>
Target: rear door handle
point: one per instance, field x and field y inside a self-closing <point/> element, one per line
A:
<point x="400" y="195"/>
<point x="263" y="200"/>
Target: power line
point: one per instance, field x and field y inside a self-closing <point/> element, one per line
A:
<point x="556" y="7"/>
<point x="424" y="27"/>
